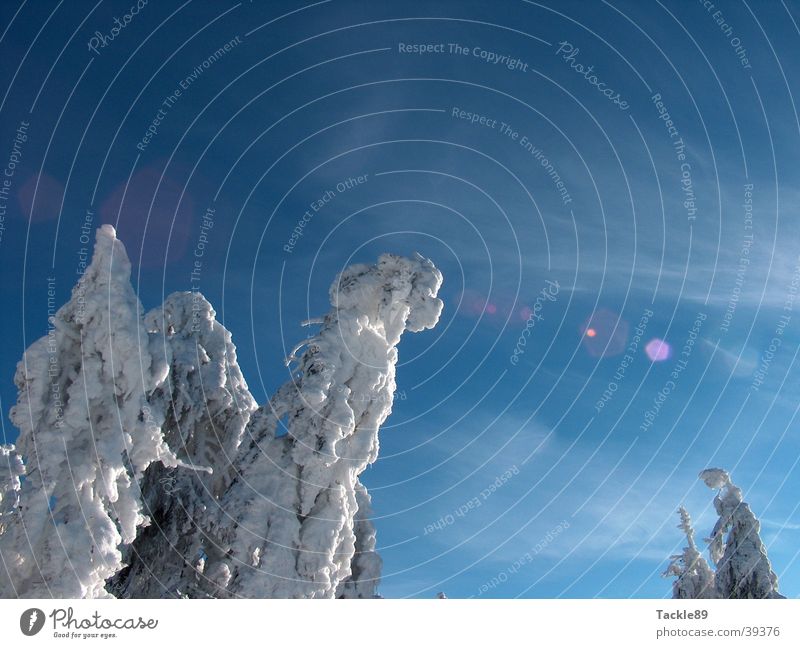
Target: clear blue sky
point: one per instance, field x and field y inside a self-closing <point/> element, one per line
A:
<point x="685" y="106"/>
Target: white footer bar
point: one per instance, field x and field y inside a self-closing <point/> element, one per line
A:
<point x="452" y="622"/>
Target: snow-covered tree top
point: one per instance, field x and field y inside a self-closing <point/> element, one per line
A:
<point x="395" y="295"/>
<point x="715" y="477"/>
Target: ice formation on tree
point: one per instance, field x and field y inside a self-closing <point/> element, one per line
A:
<point x="366" y="565"/>
<point x="11" y="469"/>
<point x="693" y="577"/>
<point x="151" y="472"/>
<point x="742" y="569"/>
<point x="86" y="433"/>
<point x="206" y="405"/>
<point x="291" y="516"/>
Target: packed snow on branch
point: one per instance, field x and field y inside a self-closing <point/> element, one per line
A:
<point x="11" y="469"/>
<point x="150" y="471"/>
<point x="742" y="569"/>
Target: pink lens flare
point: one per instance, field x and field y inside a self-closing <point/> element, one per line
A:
<point x="48" y="192"/>
<point x="658" y="350"/>
<point x="604" y="333"/>
<point x="143" y="209"/>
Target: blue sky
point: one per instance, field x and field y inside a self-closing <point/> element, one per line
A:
<point x="308" y="96"/>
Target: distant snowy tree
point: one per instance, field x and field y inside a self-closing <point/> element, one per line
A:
<point x="693" y="577"/>
<point x="743" y="569"/>
<point x="290" y="518"/>
<point x="206" y="405"/>
<point x="87" y="435"/>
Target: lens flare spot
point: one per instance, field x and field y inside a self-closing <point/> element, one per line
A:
<point x="491" y="309"/>
<point x="658" y="350"/>
<point x="604" y="333"/>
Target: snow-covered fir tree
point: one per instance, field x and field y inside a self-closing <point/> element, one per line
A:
<point x="206" y="405"/>
<point x="86" y="434"/>
<point x="742" y="569"/>
<point x="291" y="514"/>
